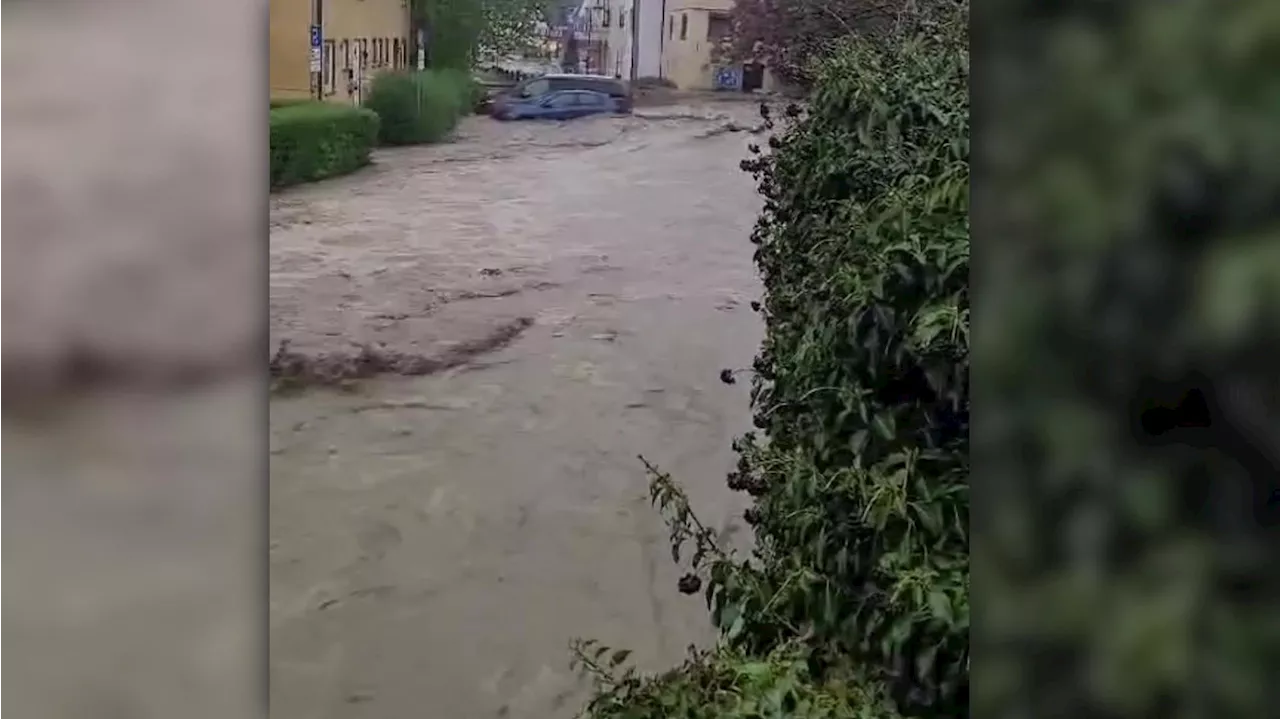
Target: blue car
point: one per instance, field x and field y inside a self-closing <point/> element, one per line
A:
<point x="558" y="105"/>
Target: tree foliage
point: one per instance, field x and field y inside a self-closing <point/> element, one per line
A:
<point x="459" y="32"/>
<point x="790" y="35"/>
<point x="856" y="600"/>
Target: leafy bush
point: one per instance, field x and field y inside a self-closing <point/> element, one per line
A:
<point x="469" y="92"/>
<point x="416" y="107"/>
<point x="1130" y="565"/>
<point x="725" y="684"/>
<point x="311" y="141"/>
<point x="648" y="82"/>
<point x="860" y="492"/>
<point x="276" y="103"/>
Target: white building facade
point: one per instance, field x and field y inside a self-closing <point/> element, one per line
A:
<point x="586" y="24"/>
<point x="648" y="38"/>
<point x="624" y="37"/>
<point x="618" y="26"/>
<point x="635" y="38"/>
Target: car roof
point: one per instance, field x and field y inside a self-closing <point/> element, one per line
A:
<point x="568" y="91"/>
<point x="572" y="76"/>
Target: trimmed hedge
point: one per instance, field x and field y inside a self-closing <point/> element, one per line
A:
<point x="856" y="601"/>
<point x="419" y="107"/>
<point x="277" y="103"/>
<point x="312" y="141"/>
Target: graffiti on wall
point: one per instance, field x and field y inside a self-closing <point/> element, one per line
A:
<point x="728" y="78"/>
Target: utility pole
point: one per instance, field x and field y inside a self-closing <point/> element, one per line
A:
<point x="635" y="39"/>
<point x="591" y="24"/>
<point x="317" y="48"/>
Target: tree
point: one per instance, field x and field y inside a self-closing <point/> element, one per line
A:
<point x="457" y="32"/>
<point x="788" y="35"/>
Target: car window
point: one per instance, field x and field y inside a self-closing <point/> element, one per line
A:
<point x="566" y="99"/>
<point x="606" y="87"/>
<point x="591" y="99"/>
<point x="534" y="88"/>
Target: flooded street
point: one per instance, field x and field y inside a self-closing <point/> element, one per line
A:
<point x="564" y="296"/>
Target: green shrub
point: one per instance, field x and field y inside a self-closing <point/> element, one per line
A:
<point x="861" y="387"/>
<point x="277" y="103"/>
<point x="725" y="684"/>
<point x="416" y="107"/>
<point x="860" y="486"/>
<point x="1131" y="570"/>
<point x="311" y="141"/>
<point x="469" y="92"/>
<point x="649" y="82"/>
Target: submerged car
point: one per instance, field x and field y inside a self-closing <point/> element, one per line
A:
<point x="540" y="86"/>
<point x="562" y="105"/>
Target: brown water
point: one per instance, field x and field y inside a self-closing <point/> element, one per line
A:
<point x="436" y="541"/>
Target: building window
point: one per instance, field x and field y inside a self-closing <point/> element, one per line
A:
<point x="329" y="68"/>
<point x="608" y="12"/>
<point x="346" y="64"/>
<point x="684" y="26"/>
<point x="395" y="53"/>
<point x="622" y="17"/>
<point x="719" y="28"/>
<point x="671" y="27"/>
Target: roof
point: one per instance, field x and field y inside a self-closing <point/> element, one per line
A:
<point x="560" y="75"/>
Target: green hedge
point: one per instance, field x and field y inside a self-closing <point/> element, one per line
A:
<point x="862" y="385"/>
<point x="419" y="107"/>
<point x="856" y="602"/>
<point x="311" y="141"/>
<point x="278" y="103"/>
<point x="1129" y="570"/>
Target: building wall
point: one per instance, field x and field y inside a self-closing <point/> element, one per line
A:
<point x="361" y="38"/>
<point x="634" y="36"/>
<point x="648" y="37"/>
<point x="686" y="53"/>
<point x="618" y="38"/>
<point x="686" y="58"/>
<point x="593" y="51"/>
<point x="289" y="73"/>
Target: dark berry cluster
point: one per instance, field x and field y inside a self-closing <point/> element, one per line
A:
<point x="689" y="584"/>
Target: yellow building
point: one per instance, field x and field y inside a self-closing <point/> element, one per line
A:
<point x="360" y="38"/>
<point x="693" y="30"/>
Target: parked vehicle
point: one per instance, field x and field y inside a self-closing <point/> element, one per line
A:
<point x="540" y="86"/>
<point x="560" y="105"/>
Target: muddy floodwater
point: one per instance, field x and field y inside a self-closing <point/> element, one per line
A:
<point x="569" y="293"/>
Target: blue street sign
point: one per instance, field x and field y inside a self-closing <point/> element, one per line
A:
<point x="316" y="36"/>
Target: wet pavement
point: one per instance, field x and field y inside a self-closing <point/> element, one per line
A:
<point x="437" y="540"/>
